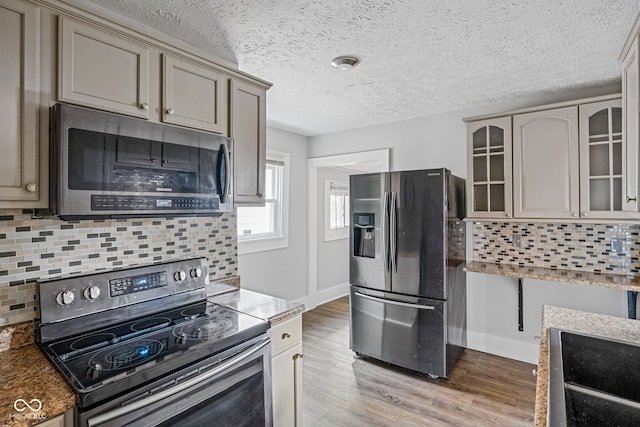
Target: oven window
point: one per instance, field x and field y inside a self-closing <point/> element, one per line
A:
<point x="240" y="406"/>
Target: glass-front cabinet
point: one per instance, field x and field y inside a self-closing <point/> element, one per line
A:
<point x="601" y="159"/>
<point x="489" y="168"/>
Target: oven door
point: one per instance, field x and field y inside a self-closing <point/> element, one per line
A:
<point x="234" y="392"/>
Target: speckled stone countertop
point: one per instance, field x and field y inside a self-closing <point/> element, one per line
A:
<point x="27" y="374"/>
<point x="578" y="321"/>
<point x="259" y="305"/>
<point x="616" y="281"/>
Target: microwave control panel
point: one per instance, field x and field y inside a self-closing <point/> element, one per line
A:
<point x="151" y="203"/>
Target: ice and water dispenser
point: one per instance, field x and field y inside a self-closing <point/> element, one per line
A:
<point x="364" y="240"/>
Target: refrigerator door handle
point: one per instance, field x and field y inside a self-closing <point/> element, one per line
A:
<point x="392" y="302"/>
<point x="385" y="233"/>
<point x="393" y="233"/>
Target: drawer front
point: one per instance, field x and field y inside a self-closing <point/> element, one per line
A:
<point x="286" y="334"/>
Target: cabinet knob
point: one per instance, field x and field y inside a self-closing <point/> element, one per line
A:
<point x="535" y="372"/>
<point x="507" y="214"/>
<point x="260" y="195"/>
<point x="574" y="214"/>
<point x="144" y="106"/>
<point x="297" y="356"/>
<point x="286" y="335"/>
<point x="32" y="187"/>
<point x="631" y="199"/>
<point x="170" y="111"/>
<point x="585" y="213"/>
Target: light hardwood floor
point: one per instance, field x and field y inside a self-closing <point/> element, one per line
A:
<point x="342" y="390"/>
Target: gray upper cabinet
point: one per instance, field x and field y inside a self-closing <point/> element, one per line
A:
<point x="194" y="95"/>
<point x="248" y="130"/>
<point x="601" y="160"/>
<point x="19" y="97"/>
<point x="631" y="122"/>
<point x="489" y="168"/>
<point x="102" y="70"/>
<point x="545" y="164"/>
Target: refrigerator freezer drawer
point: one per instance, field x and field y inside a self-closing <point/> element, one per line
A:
<point x="400" y="331"/>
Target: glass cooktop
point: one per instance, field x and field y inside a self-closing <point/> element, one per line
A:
<point x="175" y="337"/>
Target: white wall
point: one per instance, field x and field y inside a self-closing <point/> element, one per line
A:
<point x="283" y="272"/>
<point x="492" y="314"/>
<point x="333" y="255"/>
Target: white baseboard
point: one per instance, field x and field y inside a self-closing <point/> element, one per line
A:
<point x="505" y="347"/>
<point x="332" y="293"/>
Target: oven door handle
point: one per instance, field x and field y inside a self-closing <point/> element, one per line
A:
<point x="124" y="410"/>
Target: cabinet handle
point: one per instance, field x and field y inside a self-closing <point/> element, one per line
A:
<point x="170" y="111"/>
<point x="297" y="356"/>
<point x="631" y="199"/>
<point x="286" y="335"/>
<point x="144" y="106"/>
<point x="32" y="187"/>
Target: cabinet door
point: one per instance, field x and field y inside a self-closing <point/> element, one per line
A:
<point x="248" y="130"/>
<point x="19" y="99"/>
<point x="193" y="96"/>
<point x="101" y="70"/>
<point x="601" y="159"/>
<point x="287" y="387"/>
<point x="545" y="164"/>
<point x="489" y="168"/>
<point x="631" y="126"/>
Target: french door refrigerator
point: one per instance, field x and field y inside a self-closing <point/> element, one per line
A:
<point x="407" y="254"/>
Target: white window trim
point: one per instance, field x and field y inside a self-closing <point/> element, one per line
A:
<point x="274" y="242"/>
<point x="329" y="234"/>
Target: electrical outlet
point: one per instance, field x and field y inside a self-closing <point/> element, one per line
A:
<point x="517" y="240"/>
<point x="616" y="244"/>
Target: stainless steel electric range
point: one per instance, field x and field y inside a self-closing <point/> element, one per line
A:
<point x="143" y="347"/>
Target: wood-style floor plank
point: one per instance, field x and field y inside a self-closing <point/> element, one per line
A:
<point x="341" y="389"/>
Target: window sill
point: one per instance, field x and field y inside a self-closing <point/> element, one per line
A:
<point x="262" y="245"/>
<point x="331" y="238"/>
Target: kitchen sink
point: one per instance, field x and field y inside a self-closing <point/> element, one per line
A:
<point x="592" y="380"/>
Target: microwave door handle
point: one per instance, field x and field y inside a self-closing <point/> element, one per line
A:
<point x="227" y="180"/>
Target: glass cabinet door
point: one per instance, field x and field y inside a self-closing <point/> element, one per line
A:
<point x="489" y="168"/>
<point x="601" y="159"/>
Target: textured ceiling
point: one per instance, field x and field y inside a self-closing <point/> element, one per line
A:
<point x="418" y="57"/>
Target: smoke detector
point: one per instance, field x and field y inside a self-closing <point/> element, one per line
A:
<point x="345" y="63"/>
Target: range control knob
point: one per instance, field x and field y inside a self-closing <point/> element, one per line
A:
<point x="196" y="272"/>
<point x="182" y="339"/>
<point x="197" y="334"/>
<point x="65" y="298"/>
<point x="179" y="276"/>
<point x="92" y="292"/>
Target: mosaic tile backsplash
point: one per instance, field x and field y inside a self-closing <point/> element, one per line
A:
<point x="40" y="249"/>
<point x="585" y="247"/>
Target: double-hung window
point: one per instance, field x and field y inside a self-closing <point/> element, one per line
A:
<point x="262" y="228"/>
<point x="336" y="211"/>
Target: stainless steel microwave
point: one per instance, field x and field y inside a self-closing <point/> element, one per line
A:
<point x="110" y="166"/>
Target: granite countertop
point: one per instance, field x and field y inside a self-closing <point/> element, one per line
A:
<point x="27" y="374"/>
<point x="616" y="281"/>
<point x="266" y="307"/>
<point x="579" y="321"/>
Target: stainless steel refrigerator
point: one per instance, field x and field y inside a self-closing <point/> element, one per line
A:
<point x="408" y="286"/>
